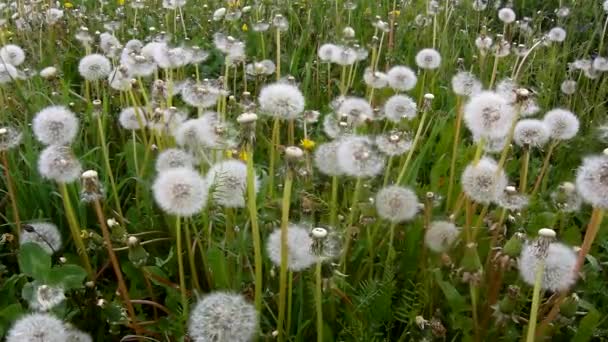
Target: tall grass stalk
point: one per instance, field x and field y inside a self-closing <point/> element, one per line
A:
<point x="285" y="204"/>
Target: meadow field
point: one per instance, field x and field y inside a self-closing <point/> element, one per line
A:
<point x="303" y="170"/>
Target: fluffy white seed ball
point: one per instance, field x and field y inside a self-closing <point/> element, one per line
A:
<point x="357" y="157"/>
<point x="530" y="132"/>
<point x="401" y="78"/>
<point x="37" y="327"/>
<point x="562" y="124"/>
<point x="592" y="181"/>
<point x="228" y="181"/>
<point x="172" y="158"/>
<point x="58" y="163"/>
<point x="223" y="316"/>
<point x="299" y="245"/>
<point x="557" y="34"/>
<point x="428" y="59"/>
<point x="483" y="182"/>
<point x="559" y="266"/>
<point x="55" y="125"/>
<point x="488" y="114"/>
<point x="180" y="191"/>
<point x="357" y="110"/>
<point x="440" y="236"/>
<point x="94" y="67"/>
<point x="12" y="54"/>
<point x="399" y="107"/>
<point x="506" y="15"/>
<point x="280" y="100"/>
<point x="45" y="235"/>
<point x="133" y="118"/>
<point x="396" y="203"/>
<point x="465" y="83"/>
<point x="326" y="159"/>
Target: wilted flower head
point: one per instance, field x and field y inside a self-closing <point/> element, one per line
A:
<point x="399" y="107"/>
<point x="566" y="198"/>
<point x="356" y="110"/>
<point x="483" y="182"/>
<point x="440" y="236"/>
<point x="94" y="67"/>
<point x="375" y="79"/>
<point x="562" y="124"/>
<point x="531" y="132"/>
<point x="55" y="125"/>
<point x="558" y="259"/>
<point x="299" y="245"/>
<point x="326" y="159"/>
<point x="465" y="83"/>
<point x="58" y="163"/>
<point x="401" y="78"/>
<point x="45" y="235"/>
<point x="396" y="203"/>
<point x="37" y="327"/>
<point x="394" y="143"/>
<point x="180" y="191"/>
<point x="91" y="189"/>
<point x="506" y="15"/>
<point x="281" y="100"/>
<point x="223" y="316"/>
<point x="47" y="297"/>
<point x="488" y="114"/>
<point x="357" y="157"/>
<point x="228" y="182"/>
<point x="10" y="138"/>
<point x="592" y="180"/>
<point x="172" y="158"/>
<point x="133" y="118"/>
<point x="557" y="34"/>
<point x="12" y="54"/>
<point x="428" y="59"/>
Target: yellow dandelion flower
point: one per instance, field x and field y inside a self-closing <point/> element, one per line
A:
<point x="395" y="13"/>
<point x="243" y="155"/>
<point x="307" y="144"/>
<point x="68" y="4"/>
<point x="245" y="28"/>
<point x="121" y="2"/>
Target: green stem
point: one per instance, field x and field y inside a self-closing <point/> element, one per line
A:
<point x="535" y="300"/>
<point x="410" y="153"/>
<point x="273" y="155"/>
<point x="180" y="265"/>
<point x="285" y="203"/>
<point x="319" y="301"/>
<point x="106" y="159"/>
<point x="333" y="204"/>
<point x="351" y="220"/>
<point x="523" y="180"/>
<point x="458" y="124"/>
<point x="255" y="230"/>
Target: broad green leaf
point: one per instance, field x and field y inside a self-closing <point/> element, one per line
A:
<point x="68" y="276"/>
<point x="584" y="332"/>
<point x="34" y="261"/>
<point x="454" y="298"/>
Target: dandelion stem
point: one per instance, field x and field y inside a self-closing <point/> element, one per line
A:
<point x="278" y="41"/>
<point x="255" y="230"/>
<point x="273" y="154"/>
<point x="414" y="144"/>
<point x="106" y="159"/>
<point x="535" y="300"/>
<point x="592" y="229"/>
<point x="523" y="180"/>
<point x="319" y="300"/>
<point x="190" y="250"/>
<point x="285" y="203"/>
<point x="544" y="168"/>
<point x="350" y="222"/>
<point x="180" y="265"/>
<point x="122" y="287"/>
<point x="333" y="204"/>
<point x="457" y="124"/>
<point x="11" y="193"/>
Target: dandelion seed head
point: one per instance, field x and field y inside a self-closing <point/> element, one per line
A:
<point x="465" y="83"/>
<point x="228" y="181"/>
<point x="37" y="327"/>
<point x="167" y="120"/>
<point x="401" y="78"/>
<point x="10" y="138"/>
<point x="394" y="143"/>
<point x="396" y="203"/>
<point x="357" y="157"/>
<point x="531" y="132"/>
<point x="506" y="15"/>
<point x="512" y="200"/>
<point x="46" y="235"/>
<point x="479" y="5"/>
<point x="223" y="316"/>
<point x="12" y="54"/>
<point x="375" y="79"/>
<point x="47" y="297"/>
<point x="344" y="56"/>
<point x="327" y="52"/>
<point x="120" y="78"/>
<point x="299" y="245"/>
<point x="75" y="335"/>
<point x="8" y="73"/>
<point x="566" y="198"/>
<point x="592" y="181"/>
<point x="133" y="118"/>
<point x="109" y="44"/>
<point x="326" y="159"/>
<point x="334" y="128"/>
<point x="281" y="100"/>
<point x="58" y="163"/>
<point x="600" y="64"/>
<point x="559" y="263"/>
<point x="562" y="124"/>
<point x="440" y="236"/>
<point x="180" y="191"/>
<point x="488" y="114"/>
<point x="557" y="34"/>
<point x="483" y="182"/>
<point x="265" y="67"/>
<point x="53" y="15"/>
<point x="356" y="110"/>
<point x="55" y="125"/>
<point x="399" y="107"/>
<point x="484" y="43"/>
<point x="200" y="95"/>
<point x="94" y="67"/>
<point x="172" y="158"/>
<point x="491" y="145"/>
<point x="428" y="59"/>
<point x="48" y="72"/>
<point x="173" y="4"/>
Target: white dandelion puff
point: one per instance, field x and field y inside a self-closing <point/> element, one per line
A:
<point x="428" y="59"/>
<point x="47" y="297"/>
<point x="488" y="114"/>
<point x="440" y="236"/>
<point x="394" y="143"/>
<point x="401" y="78"/>
<point x="44" y="234"/>
<point x="326" y="158"/>
<point x="567" y="198"/>
<point x="55" y="125"/>
<point x="8" y="73"/>
<point x="173" y="158"/>
<point x="37" y="327"/>
<point x="58" y="163"/>
<point x="357" y="157"/>
<point x="75" y="335"/>
<point x="592" y="181"/>
<point x="399" y="107"/>
<point x="562" y="124"/>
<point x="327" y="52"/>
<point x="299" y="245"/>
<point x="10" y="138"/>
<point x="180" y="191"/>
<point x="133" y="118"/>
<point x="375" y="79"/>
<point x="48" y="72"/>
<point x="280" y="100"/>
<point x="483" y="182"/>
<point x="94" y="67"/>
<point x="12" y="54"/>
<point x="557" y="34"/>
<point x="356" y="110"/>
<point x="228" y="183"/>
<point x="559" y="263"/>
<point x="396" y="203"/>
<point x="531" y="132"/>
<point x="465" y="83"/>
<point x="506" y="15"/>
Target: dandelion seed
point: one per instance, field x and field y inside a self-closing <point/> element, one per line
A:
<point x="592" y="180"/>
<point x="228" y="181"/>
<point x="401" y="78"/>
<point x="280" y="100"/>
<point x="172" y="158"/>
<point x="326" y="159"/>
<point x="488" y="114"/>
<point x="55" y="125"/>
<point x="10" y="138"/>
<point x="299" y="244"/>
<point x="58" y="163"/>
<point x="530" y="132"/>
<point x="428" y="59"/>
<point x="12" y="54"/>
<point x="399" y="107"/>
<point x="440" y="236"/>
<point x="37" y="327"/>
<point x="357" y="157"/>
<point x="557" y="34"/>
<point x="45" y="235"/>
<point x="94" y="67"/>
<point x="464" y="83"/>
<point x="180" y="191"/>
<point x="483" y="182"/>
<point x="132" y="118"/>
<point x="562" y="124"/>
<point x="559" y="263"/>
<point x="396" y="203"/>
<point x="223" y="316"/>
<point x="356" y="110"/>
<point x="506" y="15"/>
